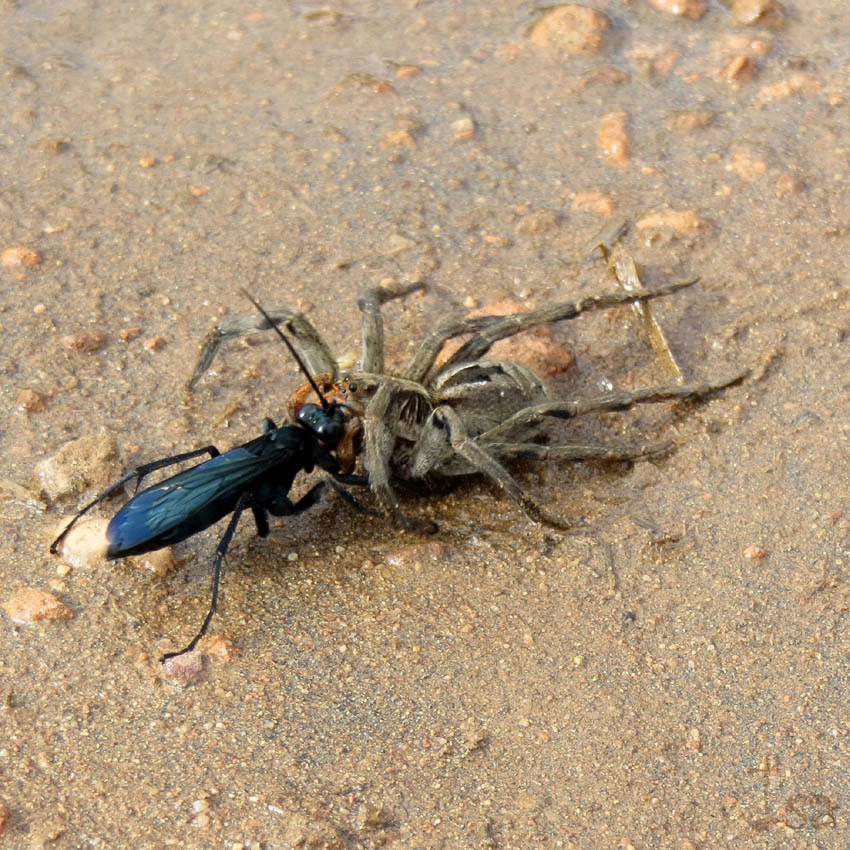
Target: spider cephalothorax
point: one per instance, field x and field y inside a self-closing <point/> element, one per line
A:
<point x="465" y="415"/>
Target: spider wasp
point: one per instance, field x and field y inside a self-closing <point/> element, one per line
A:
<point x="255" y="476"/>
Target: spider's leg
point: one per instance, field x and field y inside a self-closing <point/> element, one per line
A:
<point x="607" y="402"/>
<point x="379" y="442"/>
<point x="536" y="451"/>
<point x="486" y="464"/>
<point x="314" y="350"/>
<point x="372" y="325"/>
<point x="431" y="346"/>
<point x="507" y="326"/>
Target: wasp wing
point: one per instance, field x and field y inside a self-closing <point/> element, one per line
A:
<point x="189" y="501"/>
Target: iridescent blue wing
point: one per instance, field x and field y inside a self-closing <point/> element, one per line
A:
<point x="187" y="502"/>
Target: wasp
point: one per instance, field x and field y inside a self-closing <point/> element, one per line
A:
<point x="256" y="476"/>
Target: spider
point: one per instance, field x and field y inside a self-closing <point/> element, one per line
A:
<point x="466" y="415"/>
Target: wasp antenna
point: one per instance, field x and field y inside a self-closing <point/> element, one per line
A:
<point x="290" y="346"/>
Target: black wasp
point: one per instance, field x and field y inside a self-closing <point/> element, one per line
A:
<point x="255" y="476"/>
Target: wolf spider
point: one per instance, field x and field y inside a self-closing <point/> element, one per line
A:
<point x="465" y="415"/>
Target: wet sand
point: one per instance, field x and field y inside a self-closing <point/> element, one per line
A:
<point x="670" y="674"/>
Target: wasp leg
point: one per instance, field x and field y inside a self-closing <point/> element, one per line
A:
<point x="221" y="551"/>
<point x="350" y="497"/>
<point x="284" y="506"/>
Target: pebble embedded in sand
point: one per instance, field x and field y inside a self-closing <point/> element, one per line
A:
<point x="693" y="9"/>
<point x="84" y="547"/>
<point x="31" y="401"/>
<point x="83" y="341"/>
<point x="31" y="605"/>
<point x="768" y="13"/>
<point x="537" y="221"/>
<point x="613" y="137"/>
<point x="594" y="202"/>
<point x="688" y="120"/>
<point x="90" y="460"/>
<point x="20" y="255"/>
<point x="570" y="28"/>
<point x="738" y="69"/>
<point x="671" y="223"/>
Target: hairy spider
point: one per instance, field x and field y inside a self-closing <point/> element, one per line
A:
<point x="462" y="416"/>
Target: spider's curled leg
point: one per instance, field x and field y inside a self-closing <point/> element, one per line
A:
<point x="372" y="326"/>
<point x="314" y="350"/>
<point x="483" y="462"/>
<point x="379" y="443"/>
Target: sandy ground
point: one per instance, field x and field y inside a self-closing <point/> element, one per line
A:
<point x="672" y="673"/>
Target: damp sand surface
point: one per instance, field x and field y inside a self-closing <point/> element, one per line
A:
<point x="672" y="672"/>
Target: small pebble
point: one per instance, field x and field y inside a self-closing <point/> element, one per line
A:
<point x="537" y="221"/>
<point x="399" y="138"/>
<point x="675" y="222"/>
<point x="154" y="343"/>
<point x="160" y="563"/>
<point x="767" y="13"/>
<point x="220" y="648"/>
<point x="91" y="460"/>
<point x="594" y="202"/>
<point x="570" y="28"/>
<point x="31" y="605"/>
<point x="463" y="128"/>
<point x="31" y="401"/>
<point x="84" y="547"/>
<point x="746" y="165"/>
<point x="613" y="137"/>
<point x="55" y="147"/>
<point x="738" y="69"/>
<point x="686" y="121"/>
<point x="186" y="668"/>
<point x="128" y="334"/>
<point x="788" y="184"/>
<point x="407" y="72"/>
<point x="416" y="554"/>
<point x="84" y="341"/>
<point x="798" y="83"/>
<point x="19" y="255"/>
<point x="370" y="817"/>
<point x="754" y="552"/>
<point x="693" y="9"/>
<point x="695" y="740"/>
